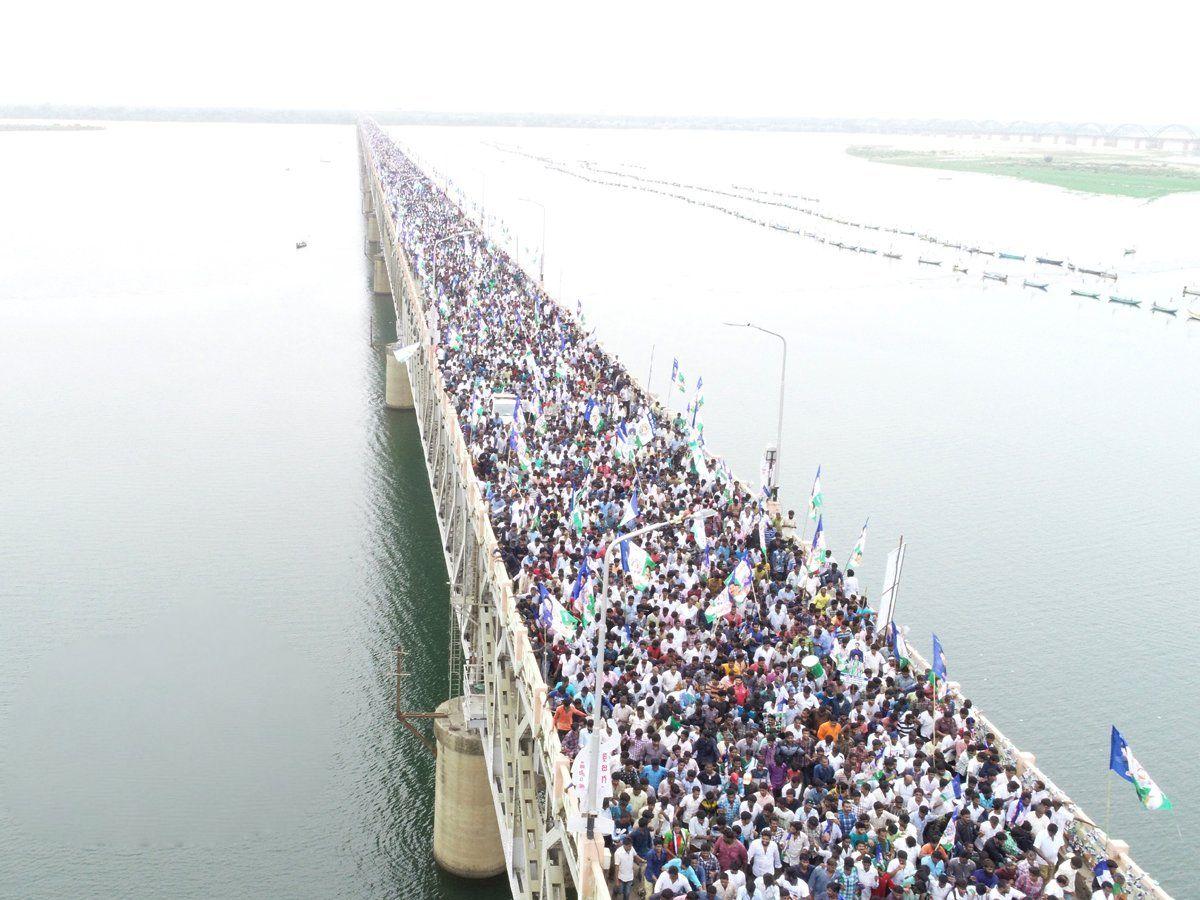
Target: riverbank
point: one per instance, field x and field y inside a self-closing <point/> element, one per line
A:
<point x="1091" y="173"/>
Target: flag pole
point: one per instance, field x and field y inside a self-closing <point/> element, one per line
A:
<point x="1108" y="810"/>
<point x="650" y="374"/>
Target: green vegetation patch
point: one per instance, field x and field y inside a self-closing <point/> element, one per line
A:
<point x="1076" y="172"/>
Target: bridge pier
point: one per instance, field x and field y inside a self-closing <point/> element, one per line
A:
<point x="397" y="389"/>
<point x="466" y="836"/>
<point x="379" y="280"/>
<point x="372" y="245"/>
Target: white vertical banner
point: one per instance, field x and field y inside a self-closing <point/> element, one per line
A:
<point x="610" y="762"/>
<point x="891" y="587"/>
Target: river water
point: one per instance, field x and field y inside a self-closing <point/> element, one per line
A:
<point x="212" y="535"/>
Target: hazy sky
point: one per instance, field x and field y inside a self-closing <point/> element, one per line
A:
<point x="1017" y="60"/>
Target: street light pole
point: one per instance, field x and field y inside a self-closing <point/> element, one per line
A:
<point x="592" y="805"/>
<point x="542" y="262"/>
<point x="782" y="383"/>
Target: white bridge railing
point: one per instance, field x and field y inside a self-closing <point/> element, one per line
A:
<point x="504" y="693"/>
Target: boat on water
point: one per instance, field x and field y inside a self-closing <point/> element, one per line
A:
<point x="1087" y="294"/>
<point x="929" y="262"/>
<point x="1124" y="301"/>
<point x="1099" y="274"/>
<point x="300" y="245"/>
<point x="1049" y="262"/>
<point x="867" y="250"/>
<point x="1189" y="292"/>
<point x="1194" y="315"/>
<point x="892" y="255"/>
<point x="1170" y="311"/>
<point x="908" y="233"/>
<point x="995" y="276"/>
<point x="981" y="251"/>
<point x="1129" y="251"/>
<point x="1011" y="256"/>
<point x="1041" y="286"/>
<point x="871" y="227"/>
<point x="961" y="269"/>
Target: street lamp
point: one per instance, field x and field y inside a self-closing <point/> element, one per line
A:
<point x="593" y="786"/>
<point x="782" y="382"/>
<point x="542" y="262"/>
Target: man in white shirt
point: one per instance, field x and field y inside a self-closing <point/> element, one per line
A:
<point x="763" y="855"/>
<point x="1048" y="843"/>
<point x="623" y="866"/>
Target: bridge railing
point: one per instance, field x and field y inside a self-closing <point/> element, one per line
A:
<point x="505" y="694"/>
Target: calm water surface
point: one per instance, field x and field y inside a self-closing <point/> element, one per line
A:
<point x="212" y="535"/>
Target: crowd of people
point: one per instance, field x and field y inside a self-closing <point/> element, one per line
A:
<point x="769" y="740"/>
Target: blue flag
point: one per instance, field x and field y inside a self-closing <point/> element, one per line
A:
<point x="1122" y="761"/>
<point x="545" y="607"/>
<point x="939" y="660"/>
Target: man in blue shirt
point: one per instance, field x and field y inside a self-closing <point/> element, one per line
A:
<point x="654" y="774"/>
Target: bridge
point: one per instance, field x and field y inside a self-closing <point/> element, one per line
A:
<point x="1171" y="136"/>
<point x="504" y="801"/>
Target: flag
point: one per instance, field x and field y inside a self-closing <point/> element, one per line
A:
<point x="563" y="623"/>
<point x="643" y="431"/>
<point x="681" y="380"/>
<point x="699" y="533"/>
<point x="623" y="448"/>
<point x="402" y="354"/>
<point x="739" y="579"/>
<point x="592" y="415"/>
<point x="860" y="546"/>
<point x="719" y="606"/>
<point x="517" y="443"/>
<point x="630" y="512"/>
<point x="697" y="400"/>
<point x="1122" y="761"/>
<point x="453" y="338"/>
<point x="545" y="607"/>
<point x="899" y="648"/>
<point x="937" y="673"/>
<point x="950" y="834"/>
<point x="636" y="562"/>
<point x="816" y="500"/>
<point x="818" y="541"/>
<point x="577" y="514"/>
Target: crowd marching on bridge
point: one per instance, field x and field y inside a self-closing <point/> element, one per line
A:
<point x="771" y="741"/>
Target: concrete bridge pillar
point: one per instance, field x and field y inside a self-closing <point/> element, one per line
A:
<point x="372" y="242"/>
<point x="379" y="280"/>
<point x="397" y="388"/>
<point x="368" y="204"/>
<point x="466" y="837"/>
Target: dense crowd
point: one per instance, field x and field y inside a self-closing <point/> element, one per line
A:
<point x="772" y="742"/>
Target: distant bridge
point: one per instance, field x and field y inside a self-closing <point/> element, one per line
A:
<point x="1172" y="136"/>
